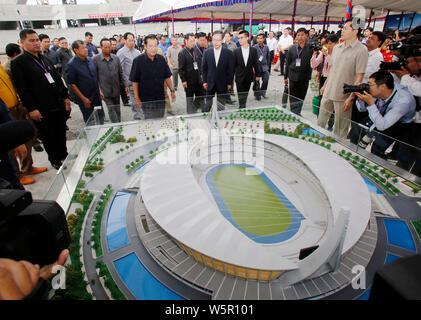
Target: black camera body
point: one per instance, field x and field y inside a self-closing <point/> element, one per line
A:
<point x="35" y="231"/>
<point x="349" y="88"/>
<point x="395" y="65"/>
<point x="410" y="47"/>
<point x="316" y="47"/>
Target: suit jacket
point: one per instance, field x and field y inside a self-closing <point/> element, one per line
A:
<point x="217" y="77"/>
<point x="244" y="73"/>
<point x="185" y="66"/>
<point x="199" y="55"/>
<point x="302" y="73"/>
<point x="265" y="61"/>
<point x="32" y="86"/>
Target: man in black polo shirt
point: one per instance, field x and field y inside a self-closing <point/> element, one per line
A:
<point x="148" y="74"/>
<point x="43" y="93"/>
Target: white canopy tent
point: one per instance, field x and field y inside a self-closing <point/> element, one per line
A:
<point x="278" y="9"/>
<point x="270" y="11"/>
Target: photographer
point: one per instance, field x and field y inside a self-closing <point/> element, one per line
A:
<point x="11" y="140"/>
<point x="390" y="110"/>
<point x="19" y="278"/>
<point x="323" y="58"/>
<point x="375" y="58"/>
<point x="410" y="75"/>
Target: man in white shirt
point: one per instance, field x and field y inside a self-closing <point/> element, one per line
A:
<point x="285" y="42"/>
<point x="375" y="57"/>
<point x="246" y="67"/>
<point x="272" y="43"/>
<point x="410" y="75"/>
<point x="217" y="72"/>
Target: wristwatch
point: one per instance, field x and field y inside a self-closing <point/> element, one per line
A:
<point x="172" y="90"/>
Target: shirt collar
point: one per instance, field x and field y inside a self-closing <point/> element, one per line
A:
<point x="370" y="53"/>
<point x="389" y="97"/>
<point x="103" y="57"/>
<point x="80" y="60"/>
<point x="149" y="59"/>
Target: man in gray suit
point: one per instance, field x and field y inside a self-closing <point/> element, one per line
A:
<point x="263" y="55"/>
<point x="110" y="78"/>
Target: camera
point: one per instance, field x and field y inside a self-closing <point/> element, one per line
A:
<point x="349" y="88"/>
<point x="410" y="47"/>
<point x="316" y="47"/>
<point x="35" y="231"/>
<point x="395" y="65"/>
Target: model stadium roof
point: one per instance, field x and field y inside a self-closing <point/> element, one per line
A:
<point x="176" y="202"/>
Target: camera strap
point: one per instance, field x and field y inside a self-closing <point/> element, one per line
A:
<point x="40" y="292"/>
<point x="386" y="105"/>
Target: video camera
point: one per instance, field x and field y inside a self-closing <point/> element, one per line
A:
<point x="316" y="47"/>
<point x="35" y="231"/>
<point x="410" y="47"/>
<point x="349" y="88"/>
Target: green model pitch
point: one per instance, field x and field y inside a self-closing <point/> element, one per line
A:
<point x="253" y="205"/>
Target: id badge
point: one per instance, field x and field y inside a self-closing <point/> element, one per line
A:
<point x="49" y="77"/>
<point x="261" y="58"/>
<point x="298" y="63"/>
<point x="195" y="65"/>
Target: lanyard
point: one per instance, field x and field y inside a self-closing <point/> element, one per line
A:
<point x="386" y="105"/>
<point x="299" y="52"/>
<point x="261" y="50"/>
<point x="41" y="65"/>
<point x="201" y="54"/>
<point x="191" y="55"/>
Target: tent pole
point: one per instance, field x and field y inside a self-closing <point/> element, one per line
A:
<point x="244" y="20"/>
<point x="369" y="18"/>
<point x="270" y="22"/>
<point x="327" y="27"/>
<point x="294" y="12"/>
<point x="374" y="24"/>
<point x="311" y="24"/>
<point x="412" y="20"/>
<point x="348" y="13"/>
<point x="251" y="16"/>
<point x="400" y="20"/>
<point x="325" y="17"/>
<point x="212" y="22"/>
<point x="385" y="20"/>
<point x="196" y="26"/>
<point x="172" y="19"/>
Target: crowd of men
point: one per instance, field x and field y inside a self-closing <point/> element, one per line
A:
<point x="41" y="78"/>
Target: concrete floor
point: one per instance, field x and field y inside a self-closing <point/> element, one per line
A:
<point x="75" y="124"/>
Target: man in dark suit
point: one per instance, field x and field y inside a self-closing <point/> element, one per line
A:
<point x="246" y="67"/>
<point x="44" y="95"/>
<point x="200" y="47"/>
<point x="188" y="69"/>
<point x="217" y="72"/>
<point x="264" y="63"/>
<point x="298" y="70"/>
